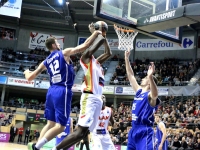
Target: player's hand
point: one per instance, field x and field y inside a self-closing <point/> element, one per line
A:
<point x="27" y="71"/>
<point x="127" y="54"/>
<point x="91" y="27"/>
<point x="160" y="147"/>
<point x="81" y="141"/>
<point x="151" y="69"/>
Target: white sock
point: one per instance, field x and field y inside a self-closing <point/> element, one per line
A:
<point x="41" y="143"/>
<point x="54" y="148"/>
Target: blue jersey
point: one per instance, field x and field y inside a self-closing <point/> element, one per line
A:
<point x="159" y="134"/>
<point x="59" y="71"/>
<point x="142" y="111"/>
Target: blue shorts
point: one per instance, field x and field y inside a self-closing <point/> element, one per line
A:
<point x="58" y="104"/>
<point x="165" y="145"/>
<point x="140" y="137"/>
<point x="58" y="140"/>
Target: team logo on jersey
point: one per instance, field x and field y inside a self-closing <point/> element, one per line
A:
<point x="133" y="106"/>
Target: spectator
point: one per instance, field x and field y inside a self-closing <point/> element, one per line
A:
<point x="176" y="143"/>
<point x="20" y="133"/>
<point x="27" y="134"/>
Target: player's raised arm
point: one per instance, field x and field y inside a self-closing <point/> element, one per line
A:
<point x="82" y="47"/>
<point x="130" y="73"/>
<point x="111" y="118"/>
<point x="31" y="75"/>
<point x="107" y="53"/>
<point x="153" y="94"/>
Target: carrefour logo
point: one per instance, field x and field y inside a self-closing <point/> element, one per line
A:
<point x="187" y="42"/>
<point x="153" y="44"/>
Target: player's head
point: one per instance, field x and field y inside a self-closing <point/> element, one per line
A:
<point x="104" y="101"/>
<point x="101" y="26"/>
<point x="157" y="118"/>
<point x="146" y="82"/>
<point x="52" y="44"/>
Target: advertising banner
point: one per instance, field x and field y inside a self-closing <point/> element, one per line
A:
<point x="162" y="91"/>
<point x="20" y="82"/>
<point x="158" y="44"/>
<point x="3" y="79"/>
<point x="108" y="90"/>
<point x="124" y="91"/>
<point x="10" y="8"/>
<point x="42" y="84"/>
<point x="76" y="88"/>
<point x="37" y="40"/>
<point x="113" y="43"/>
<point x="4" y="137"/>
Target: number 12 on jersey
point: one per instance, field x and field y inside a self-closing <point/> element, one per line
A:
<point x="55" y="67"/>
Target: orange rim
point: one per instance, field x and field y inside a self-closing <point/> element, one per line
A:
<point x="123" y="30"/>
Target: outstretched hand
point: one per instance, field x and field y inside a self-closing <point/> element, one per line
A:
<point x="151" y="69"/>
<point x="127" y="53"/>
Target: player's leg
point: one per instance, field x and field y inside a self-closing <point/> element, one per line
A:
<point x="49" y="125"/>
<point x="87" y="145"/>
<point x="131" y="140"/>
<point x="96" y="142"/>
<point x="90" y="110"/>
<point x="145" y="138"/>
<point x="58" y="114"/>
<point x="107" y="143"/>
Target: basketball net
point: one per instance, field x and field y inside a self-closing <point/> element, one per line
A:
<point x="126" y="37"/>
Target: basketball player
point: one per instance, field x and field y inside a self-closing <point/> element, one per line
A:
<point x="59" y="95"/>
<point x="161" y="134"/>
<point x="92" y="89"/>
<point x="144" y="106"/>
<point x="100" y="135"/>
<point x="68" y="129"/>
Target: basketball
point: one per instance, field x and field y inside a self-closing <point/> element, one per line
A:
<point x="101" y="26"/>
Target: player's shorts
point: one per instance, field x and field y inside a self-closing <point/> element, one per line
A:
<point x="102" y="142"/>
<point x="165" y="145"/>
<point x="91" y="106"/>
<point x="58" y="140"/>
<point x="58" y="104"/>
<point x="141" y="137"/>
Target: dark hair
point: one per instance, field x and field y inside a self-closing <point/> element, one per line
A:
<point x="49" y="42"/>
<point x="157" y="115"/>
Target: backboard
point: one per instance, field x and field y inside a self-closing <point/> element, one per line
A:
<point x="132" y="13"/>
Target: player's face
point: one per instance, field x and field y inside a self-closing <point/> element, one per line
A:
<point x="57" y="45"/>
<point x="156" y="118"/>
<point x="144" y="81"/>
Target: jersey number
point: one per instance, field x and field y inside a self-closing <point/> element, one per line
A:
<point x="54" y="67"/>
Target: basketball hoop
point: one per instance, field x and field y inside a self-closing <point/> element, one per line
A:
<point x="126" y="37"/>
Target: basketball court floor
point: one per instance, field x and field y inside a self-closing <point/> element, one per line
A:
<point x="12" y="146"/>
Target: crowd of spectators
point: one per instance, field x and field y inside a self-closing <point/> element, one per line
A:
<point x="32" y="60"/>
<point x="6" y="33"/>
<point x="6" y="119"/>
<point x="182" y="120"/>
<point x="169" y="71"/>
<point x="20" y="102"/>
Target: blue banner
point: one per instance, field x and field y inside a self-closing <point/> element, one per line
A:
<point x="3" y="79"/>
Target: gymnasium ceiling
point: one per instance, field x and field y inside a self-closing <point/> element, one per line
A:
<point x="37" y="13"/>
